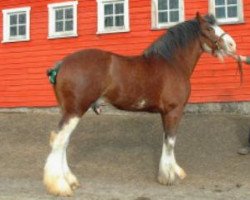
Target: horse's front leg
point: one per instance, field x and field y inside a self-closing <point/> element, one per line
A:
<point x="168" y="167"/>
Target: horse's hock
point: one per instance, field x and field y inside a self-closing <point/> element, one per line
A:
<point x="116" y="156"/>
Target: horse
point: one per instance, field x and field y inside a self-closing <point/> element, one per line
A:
<point x="156" y="81"/>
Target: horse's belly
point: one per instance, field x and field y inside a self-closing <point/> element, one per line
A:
<point x="130" y="104"/>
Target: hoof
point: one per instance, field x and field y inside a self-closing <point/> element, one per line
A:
<point x="166" y="178"/>
<point x="58" y="186"/>
<point x="72" y="180"/>
<point x="75" y="185"/>
<point x="181" y="173"/>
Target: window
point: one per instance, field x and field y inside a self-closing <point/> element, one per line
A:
<point x="63" y="19"/>
<point x="166" y="13"/>
<point x="16" y="24"/>
<point x="113" y="16"/>
<point x="227" y="11"/>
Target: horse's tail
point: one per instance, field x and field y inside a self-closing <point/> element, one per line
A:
<point x="52" y="73"/>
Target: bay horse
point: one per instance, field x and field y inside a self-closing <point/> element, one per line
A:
<point x="157" y="81"/>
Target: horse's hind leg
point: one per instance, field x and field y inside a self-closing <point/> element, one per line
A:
<point x="57" y="176"/>
<point x="168" y="167"/>
<point x="69" y="176"/>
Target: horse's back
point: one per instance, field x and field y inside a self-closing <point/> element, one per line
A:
<point x="87" y="59"/>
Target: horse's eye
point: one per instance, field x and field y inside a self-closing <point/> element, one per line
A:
<point x="210" y="29"/>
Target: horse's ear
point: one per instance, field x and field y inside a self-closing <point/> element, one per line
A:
<point x="199" y="18"/>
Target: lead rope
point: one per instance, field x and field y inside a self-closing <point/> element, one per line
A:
<point x="240" y="68"/>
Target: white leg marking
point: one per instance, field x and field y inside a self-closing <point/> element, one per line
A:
<point x="168" y="166"/>
<point x="54" y="170"/>
<point x="69" y="176"/>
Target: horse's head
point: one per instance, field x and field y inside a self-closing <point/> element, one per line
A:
<point x="213" y="39"/>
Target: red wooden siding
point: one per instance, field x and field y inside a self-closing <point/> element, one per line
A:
<point x="23" y="82"/>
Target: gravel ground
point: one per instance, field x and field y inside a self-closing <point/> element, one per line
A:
<point x="115" y="157"/>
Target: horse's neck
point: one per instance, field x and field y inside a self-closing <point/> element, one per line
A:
<point x="189" y="56"/>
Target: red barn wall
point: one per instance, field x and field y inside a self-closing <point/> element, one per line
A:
<point x="23" y="82"/>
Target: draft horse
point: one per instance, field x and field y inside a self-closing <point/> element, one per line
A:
<point x="156" y="81"/>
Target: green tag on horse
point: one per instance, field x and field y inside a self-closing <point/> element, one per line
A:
<point x="52" y="73"/>
<point x="52" y="76"/>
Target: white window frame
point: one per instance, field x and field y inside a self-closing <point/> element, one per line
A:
<point x="52" y="34"/>
<point x="154" y="15"/>
<point x="233" y="20"/>
<point x="6" y="24"/>
<point x="100" y="19"/>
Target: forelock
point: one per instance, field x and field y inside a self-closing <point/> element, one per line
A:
<point x="211" y="19"/>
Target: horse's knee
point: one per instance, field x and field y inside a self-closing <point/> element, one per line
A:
<point x="72" y="180"/>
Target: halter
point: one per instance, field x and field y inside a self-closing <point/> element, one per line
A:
<point x="216" y="42"/>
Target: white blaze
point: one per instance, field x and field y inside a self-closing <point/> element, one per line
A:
<point x="230" y="44"/>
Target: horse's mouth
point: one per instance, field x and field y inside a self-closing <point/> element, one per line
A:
<point x="220" y="54"/>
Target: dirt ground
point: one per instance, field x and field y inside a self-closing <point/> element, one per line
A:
<point x="115" y="157"/>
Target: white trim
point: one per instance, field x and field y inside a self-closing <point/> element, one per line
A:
<point x="233" y="20"/>
<point x="154" y="15"/>
<point x="6" y="24"/>
<point x="100" y="18"/>
<point x="63" y="4"/>
<point x="51" y="19"/>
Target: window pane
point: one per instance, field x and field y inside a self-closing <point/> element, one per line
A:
<point x="13" y="31"/>
<point x="232" y="11"/>
<point x="219" y="2"/>
<point x="108" y="21"/>
<point x="22" y="18"/>
<point x="22" y="30"/>
<point x="69" y="13"/>
<point x="59" y="26"/>
<point x="231" y="1"/>
<point x="173" y="4"/>
<point x="69" y="25"/>
<point x="220" y="12"/>
<point x="13" y="19"/>
<point x="119" y="20"/>
<point x="163" y="17"/>
<point x="174" y="16"/>
<point x="162" y="4"/>
<point x="119" y="8"/>
<point x="59" y="14"/>
<point x="108" y="9"/>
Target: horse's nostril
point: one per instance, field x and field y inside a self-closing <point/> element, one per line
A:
<point x="231" y="46"/>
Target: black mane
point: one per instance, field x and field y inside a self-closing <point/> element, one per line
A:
<point x="177" y="36"/>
